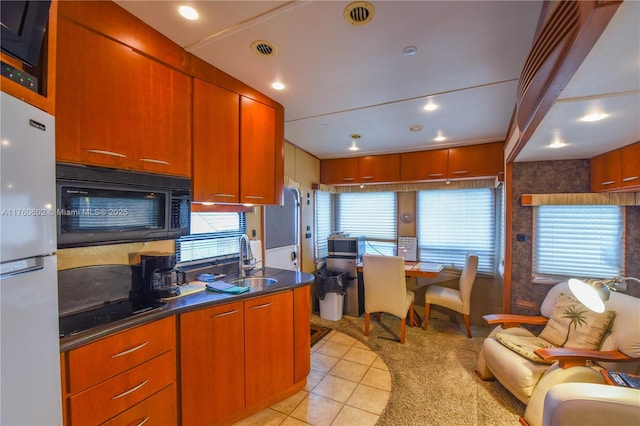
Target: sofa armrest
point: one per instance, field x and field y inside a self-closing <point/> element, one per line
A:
<point x="590" y="404"/>
<point x="511" y="320"/>
<point x="570" y="357"/>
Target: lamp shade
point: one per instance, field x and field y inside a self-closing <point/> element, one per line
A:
<point x="592" y="293"/>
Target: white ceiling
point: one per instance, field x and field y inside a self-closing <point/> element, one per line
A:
<point x="343" y="79"/>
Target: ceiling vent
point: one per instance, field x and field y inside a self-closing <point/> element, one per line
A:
<point x="359" y="13"/>
<point x="263" y="48"/>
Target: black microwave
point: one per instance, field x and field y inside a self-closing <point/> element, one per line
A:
<point x="98" y="205"/>
<point x="346" y="246"/>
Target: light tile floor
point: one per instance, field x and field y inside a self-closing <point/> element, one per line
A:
<point x="348" y="385"/>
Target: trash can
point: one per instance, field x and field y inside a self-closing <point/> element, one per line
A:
<point x="329" y="287"/>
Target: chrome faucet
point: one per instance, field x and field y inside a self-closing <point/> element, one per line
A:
<point x="244" y="264"/>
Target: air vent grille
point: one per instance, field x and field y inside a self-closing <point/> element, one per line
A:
<point x="359" y="13"/>
<point x="263" y="48"/>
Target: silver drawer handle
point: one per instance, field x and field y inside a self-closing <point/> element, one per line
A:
<point x="609" y="182"/>
<point x="151" y="160"/>
<point x="436" y="174"/>
<point x="224" y="195"/>
<point x="264" y="305"/>
<point x="100" y="151"/>
<point x="630" y="178"/>
<point x="348" y="178"/>
<point x="133" y="389"/>
<point x="256" y="197"/>
<point x="143" y="421"/>
<point x="128" y="351"/>
<point x="460" y="172"/>
<point x="224" y="314"/>
<point x="366" y="177"/>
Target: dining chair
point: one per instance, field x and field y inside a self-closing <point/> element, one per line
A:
<point x="385" y="290"/>
<point x="458" y="299"/>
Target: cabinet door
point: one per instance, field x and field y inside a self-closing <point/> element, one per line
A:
<point x="158" y="410"/>
<point x="216" y="144"/>
<point x="212" y="363"/>
<point x="268" y="346"/>
<point x="630" y="165"/>
<point x="339" y="171"/>
<point x="424" y="165"/>
<point x="302" y="337"/>
<point x="94" y="119"/>
<point x="476" y="160"/>
<point x="257" y="152"/>
<point x="605" y="171"/>
<point x="379" y="168"/>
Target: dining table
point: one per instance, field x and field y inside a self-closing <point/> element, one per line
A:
<point x="421" y="269"/>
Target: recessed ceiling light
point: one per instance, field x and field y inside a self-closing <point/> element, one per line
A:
<point x="596" y="116"/>
<point x="188" y="12"/>
<point x="430" y="106"/>
<point x="557" y="144"/>
<point x="440" y="137"/>
<point x="353" y="146"/>
<point x="410" y="51"/>
<point x="324" y="125"/>
<point x="416" y="128"/>
<point x="277" y="85"/>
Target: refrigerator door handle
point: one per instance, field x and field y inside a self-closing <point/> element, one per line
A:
<point x="19" y="267"/>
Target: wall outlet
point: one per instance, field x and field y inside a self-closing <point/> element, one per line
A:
<point x="521" y="237"/>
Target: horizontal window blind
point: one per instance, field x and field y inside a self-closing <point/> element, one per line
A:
<point x="372" y="214"/>
<point x="213" y="234"/>
<point x="579" y="241"/>
<point x="452" y="223"/>
<point x="324" y="223"/>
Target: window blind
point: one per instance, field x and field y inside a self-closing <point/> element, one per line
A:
<point x="212" y="235"/>
<point x="324" y="223"/>
<point x="372" y="214"/>
<point x="579" y="241"/>
<point x="452" y="223"/>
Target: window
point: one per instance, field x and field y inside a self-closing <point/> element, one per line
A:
<point x="324" y="223"/>
<point x="372" y="214"/>
<point x="212" y="235"/>
<point x="579" y="241"/>
<point x="452" y="223"/>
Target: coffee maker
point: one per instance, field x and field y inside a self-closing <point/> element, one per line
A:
<point x="160" y="278"/>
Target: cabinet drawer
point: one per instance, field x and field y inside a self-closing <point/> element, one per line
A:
<point x="101" y="402"/>
<point x="157" y="410"/>
<point x="119" y="352"/>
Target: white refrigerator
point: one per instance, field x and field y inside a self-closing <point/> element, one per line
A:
<point x="30" y="344"/>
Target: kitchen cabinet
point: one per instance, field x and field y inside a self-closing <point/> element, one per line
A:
<point x="301" y="334"/>
<point x="617" y="170"/>
<point x="268" y="346"/>
<point x="118" y="108"/>
<point x="137" y="372"/>
<point x="476" y="161"/>
<point x="258" y="153"/>
<point x="339" y="171"/>
<point x="424" y="165"/>
<point x="379" y="168"/>
<point x="212" y="363"/>
<point x="216" y="144"/>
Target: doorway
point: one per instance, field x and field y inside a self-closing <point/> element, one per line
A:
<point x="282" y="233"/>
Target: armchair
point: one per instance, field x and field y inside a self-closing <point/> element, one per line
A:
<point x="530" y="380"/>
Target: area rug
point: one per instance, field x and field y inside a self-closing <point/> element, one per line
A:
<point x="317" y="333"/>
<point x="433" y="374"/>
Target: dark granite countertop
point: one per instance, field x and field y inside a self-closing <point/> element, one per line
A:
<point x="287" y="280"/>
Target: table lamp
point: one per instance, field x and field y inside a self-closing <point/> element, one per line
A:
<point x="592" y="293"/>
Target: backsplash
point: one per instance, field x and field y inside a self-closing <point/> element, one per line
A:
<point x="111" y="254"/>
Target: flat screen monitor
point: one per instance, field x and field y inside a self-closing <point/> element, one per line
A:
<point x="23" y="27"/>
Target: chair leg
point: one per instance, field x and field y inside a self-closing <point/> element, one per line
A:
<point x="366" y="323"/>
<point x="427" y="308"/>
<point x="467" y="325"/>
<point x="378" y="315"/>
<point x="412" y="316"/>
<point x="403" y="326"/>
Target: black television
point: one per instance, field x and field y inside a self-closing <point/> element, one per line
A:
<point x="23" y="27"/>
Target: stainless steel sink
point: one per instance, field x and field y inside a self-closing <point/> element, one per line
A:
<point x="253" y="281"/>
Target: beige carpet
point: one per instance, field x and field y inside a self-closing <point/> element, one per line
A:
<point x="433" y="378"/>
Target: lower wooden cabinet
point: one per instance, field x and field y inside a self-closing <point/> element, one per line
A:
<point x="129" y="375"/>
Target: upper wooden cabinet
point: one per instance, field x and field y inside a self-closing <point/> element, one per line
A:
<point x="339" y="171"/>
<point x="617" y="170"/>
<point x="216" y="144"/>
<point x="258" y="153"/>
<point x="117" y="108"/>
<point x="476" y="161"/>
<point x="379" y="168"/>
<point x="424" y="165"/>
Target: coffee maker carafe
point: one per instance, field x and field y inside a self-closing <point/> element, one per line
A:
<point x="160" y="278"/>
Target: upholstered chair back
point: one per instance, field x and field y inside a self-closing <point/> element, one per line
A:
<point x="385" y="288"/>
<point x="467" y="279"/>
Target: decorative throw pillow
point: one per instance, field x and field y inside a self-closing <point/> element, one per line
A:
<point x="572" y="325"/>
<point x="525" y="345"/>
